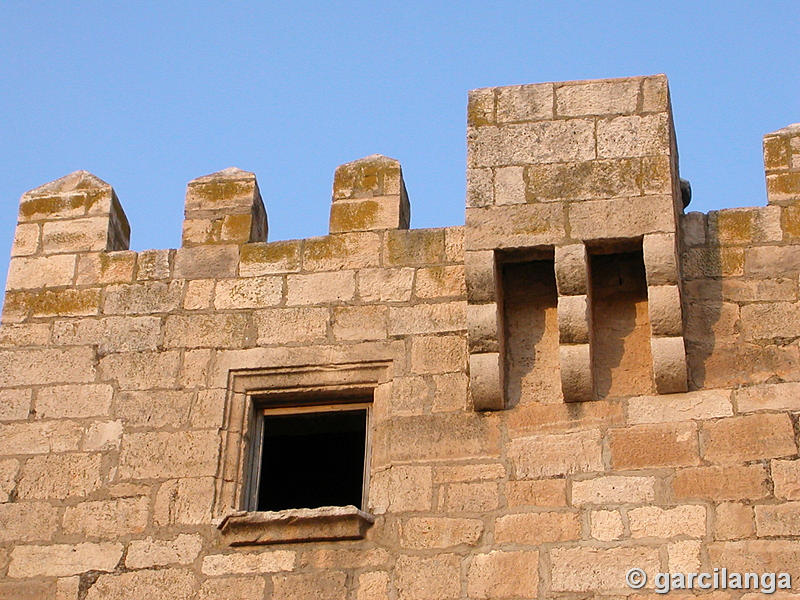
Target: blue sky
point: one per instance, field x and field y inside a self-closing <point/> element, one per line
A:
<point x="151" y="95"/>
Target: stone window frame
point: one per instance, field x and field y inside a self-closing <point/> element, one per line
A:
<point x="249" y="391"/>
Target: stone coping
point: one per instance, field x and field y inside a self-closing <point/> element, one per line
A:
<point x="295" y="525"/>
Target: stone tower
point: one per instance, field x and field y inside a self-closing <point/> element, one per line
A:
<point x="580" y="380"/>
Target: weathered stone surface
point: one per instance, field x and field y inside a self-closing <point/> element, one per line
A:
<point x="141" y="370"/>
<point x="354" y="323"/>
<point x="633" y="135"/>
<point x="153" y="264"/>
<point x="757" y="556"/>
<point x="266" y="259"/>
<point x="471" y="497"/>
<point x="653" y="521"/>
<point x="586" y="569"/>
<point x="684" y="556"/>
<point x="261" y="562"/>
<point x="39" y="438"/>
<point x="417" y="577"/>
<point x="536" y="142"/>
<point x="26" y="334"/>
<point x="75" y="235"/>
<point x="107" y="519"/>
<point x="772" y="320"/>
<point x="616" y="97"/>
<point x="73" y="401"/>
<point x="256" y="292"/>
<point x="777" y="396"/>
<point x="556" y="454"/>
<point x="232" y="588"/>
<point x="414" y="247"/>
<point x="401" y="489"/>
<point x="8" y="478"/>
<point x="61" y="560"/>
<point x="206" y="262"/>
<point x="721" y="483"/>
<point x="320" y="288"/>
<point x="427" y="318"/>
<point x="322" y="586"/>
<point x="105" y="267"/>
<point x="680" y="407"/>
<point x="385" y="285"/>
<point x="176" y="584"/>
<point x="443" y="436"/>
<point x="143" y="554"/>
<point x="606" y="525"/>
<point x="373" y="586"/>
<point x="658" y="445"/>
<point x="524" y="102"/>
<point x="733" y="520"/>
<point x="780" y="519"/>
<point x="34" y="367"/>
<point x="533" y="529"/>
<point x="142" y="298"/>
<point x="621" y="218"/>
<point x="102" y="435"/>
<point x="184" y="502"/>
<point x="786" y="477"/>
<point x="60" y="476"/>
<point x="154" y="409"/>
<point x="26" y="239"/>
<point x="15" y="404"/>
<point x="342" y="251"/>
<point x="504" y="575"/>
<point x="751" y="437"/>
<point x="213" y="331"/>
<point x="291" y="325"/>
<point x="26" y="590"/>
<point x="542" y="492"/>
<point x="514" y="226"/>
<point x="486" y="381"/>
<point x="440" y="532"/>
<point x="28" y="522"/>
<point x="438" y="354"/>
<point x="165" y="455"/>
<point x="613" y="489"/>
<point x="41" y="271"/>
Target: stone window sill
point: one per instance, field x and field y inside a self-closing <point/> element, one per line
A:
<point x="295" y="525"/>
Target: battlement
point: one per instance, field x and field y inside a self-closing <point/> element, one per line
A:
<point x="581" y="374"/>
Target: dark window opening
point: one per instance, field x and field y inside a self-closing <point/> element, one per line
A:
<point x="312" y="459"/>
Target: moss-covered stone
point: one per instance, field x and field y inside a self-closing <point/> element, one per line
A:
<point x="414" y="247"/>
<point x="480" y="108"/>
<point x="735" y="226"/>
<point x="790" y="222"/>
<point x="275" y="257"/>
<point x="776" y="152"/>
<point x="236" y="228"/>
<point x="354" y="216"/>
<point x="62" y="303"/>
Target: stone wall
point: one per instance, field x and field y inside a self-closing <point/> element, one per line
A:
<point x="581" y="380"/>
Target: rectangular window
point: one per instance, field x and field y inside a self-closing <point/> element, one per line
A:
<point x="310" y="456"/>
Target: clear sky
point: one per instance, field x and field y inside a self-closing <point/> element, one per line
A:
<point x="149" y="95"/>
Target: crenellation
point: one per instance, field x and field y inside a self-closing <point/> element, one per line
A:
<point x="580" y="379"/>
